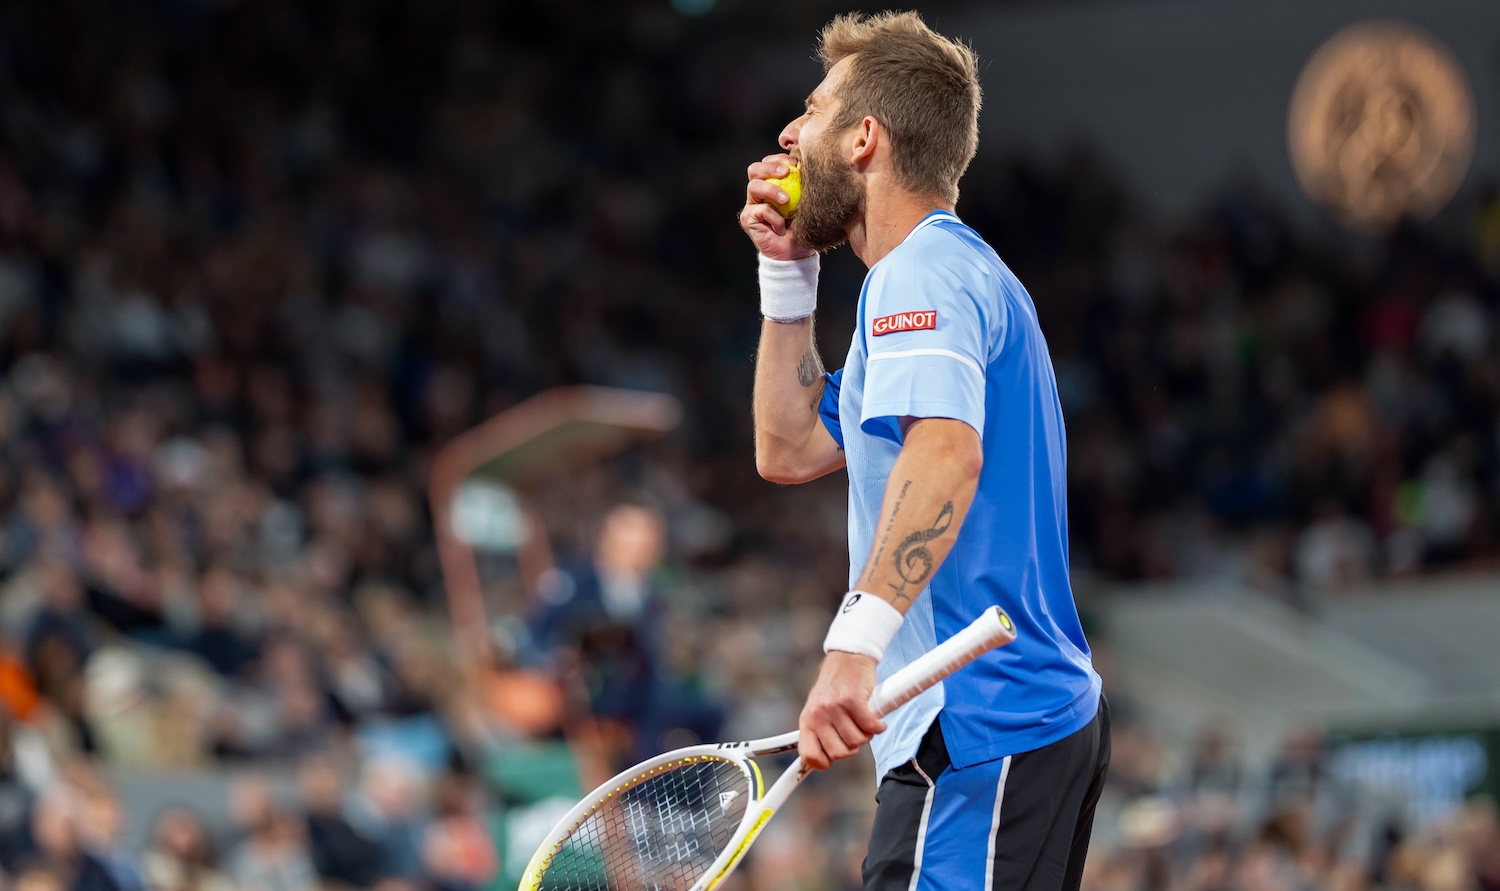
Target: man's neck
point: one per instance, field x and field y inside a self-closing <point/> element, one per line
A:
<point x="890" y="215"/>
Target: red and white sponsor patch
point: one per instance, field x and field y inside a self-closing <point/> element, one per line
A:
<point x="921" y="320"/>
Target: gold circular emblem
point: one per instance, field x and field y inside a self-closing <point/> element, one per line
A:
<point x="1381" y="125"/>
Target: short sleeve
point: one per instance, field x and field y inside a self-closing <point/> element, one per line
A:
<point x="927" y="328"/>
<point x="828" y="406"/>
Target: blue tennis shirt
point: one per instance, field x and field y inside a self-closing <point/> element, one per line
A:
<point x="945" y="330"/>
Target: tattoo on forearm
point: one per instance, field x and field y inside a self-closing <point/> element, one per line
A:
<point x="885" y="536"/>
<point x="914" y="562"/>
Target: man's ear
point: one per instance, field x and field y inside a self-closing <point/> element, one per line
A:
<point x="867" y="136"/>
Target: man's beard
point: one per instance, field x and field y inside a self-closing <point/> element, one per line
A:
<point x="832" y="199"/>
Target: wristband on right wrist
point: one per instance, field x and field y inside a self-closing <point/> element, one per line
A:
<point x="864" y="625"/>
<point x="788" y="288"/>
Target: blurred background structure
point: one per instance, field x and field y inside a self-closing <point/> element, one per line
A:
<point x="260" y="262"/>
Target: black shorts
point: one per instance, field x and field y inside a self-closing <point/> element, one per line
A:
<point x="1020" y="823"/>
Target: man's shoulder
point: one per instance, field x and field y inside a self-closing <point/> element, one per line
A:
<point x="946" y="264"/>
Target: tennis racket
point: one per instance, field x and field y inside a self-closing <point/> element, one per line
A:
<point x="683" y="820"/>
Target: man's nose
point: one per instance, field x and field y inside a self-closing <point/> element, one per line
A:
<point x="790" y="135"/>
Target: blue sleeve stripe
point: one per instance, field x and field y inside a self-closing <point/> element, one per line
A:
<point x="828" y="407"/>
<point x="906" y="354"/>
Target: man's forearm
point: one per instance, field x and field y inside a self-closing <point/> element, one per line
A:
<point x="788" y="386"/>
<point x="927" y="497"/>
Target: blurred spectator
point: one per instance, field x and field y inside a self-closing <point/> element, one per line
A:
<point x="340" y="853"/>
<point x="358" y="683"/>
<point x="219" y="639"/>
<point x="458" y="851"/>
<point x="608" y="610"/>
<point x="60" y="637"/>
<point x="25" y="770"/>
<point x="274" y="856"/>
<point x="388" y="811"/>
<point x="614" y="588"/>
<point x="1336" y="550"/>
<point x="19" y="697"/>
<point x="180" y="857"/>
<point x="1215" y="767"/>
<point x="56" y="843"/>
<point x="101" y="827"/>
<point x="122" y="592"/>
<point x="1478" y="831"/>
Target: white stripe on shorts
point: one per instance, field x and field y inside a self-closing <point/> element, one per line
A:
<point x="916" y="863"/>
<point x="989" y="861"/>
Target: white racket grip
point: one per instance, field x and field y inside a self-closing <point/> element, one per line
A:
<point x="992" y="629"/>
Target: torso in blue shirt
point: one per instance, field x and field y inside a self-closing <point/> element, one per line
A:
<point x="979" y="358"/>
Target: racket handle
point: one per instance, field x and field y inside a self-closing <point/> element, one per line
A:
<point x="992" y="629"/>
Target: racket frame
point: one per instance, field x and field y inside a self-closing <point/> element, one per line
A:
<point x="740" y="754"/>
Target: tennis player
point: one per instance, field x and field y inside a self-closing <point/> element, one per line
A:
<point x="946" y="416"/>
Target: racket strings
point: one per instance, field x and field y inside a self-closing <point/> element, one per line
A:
<point x="661" y="834"/>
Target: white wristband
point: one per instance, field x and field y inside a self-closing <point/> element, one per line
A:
<point x="864" y="624"/>
<point x="788" y="288"/>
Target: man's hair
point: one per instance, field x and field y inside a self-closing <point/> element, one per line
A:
<point x="921" y="86"/>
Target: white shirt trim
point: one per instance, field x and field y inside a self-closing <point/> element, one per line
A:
<point x="931" y="351"/>
<point x="937" y="216"/>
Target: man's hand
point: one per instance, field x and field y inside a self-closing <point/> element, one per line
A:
<point x="767" y="229"/>
<point x="837" y="719"/>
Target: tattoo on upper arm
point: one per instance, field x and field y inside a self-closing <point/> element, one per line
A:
<point x="810" y="369"/>
<point x="914" y="562"/>
<point x="810" y="372"/>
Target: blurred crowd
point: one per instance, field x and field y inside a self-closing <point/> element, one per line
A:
<point x="381" y="834"/>
<point x="1203" y="817"/>
<point x="259" y="261"/>
<point x="1199" y="820"/>
<point x="1252" y="401"/>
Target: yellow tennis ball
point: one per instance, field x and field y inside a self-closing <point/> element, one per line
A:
<point x="791" y="184"/>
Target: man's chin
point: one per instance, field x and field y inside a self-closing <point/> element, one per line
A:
<point x="820" y="247"/>
<point x="819" y="240"/>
